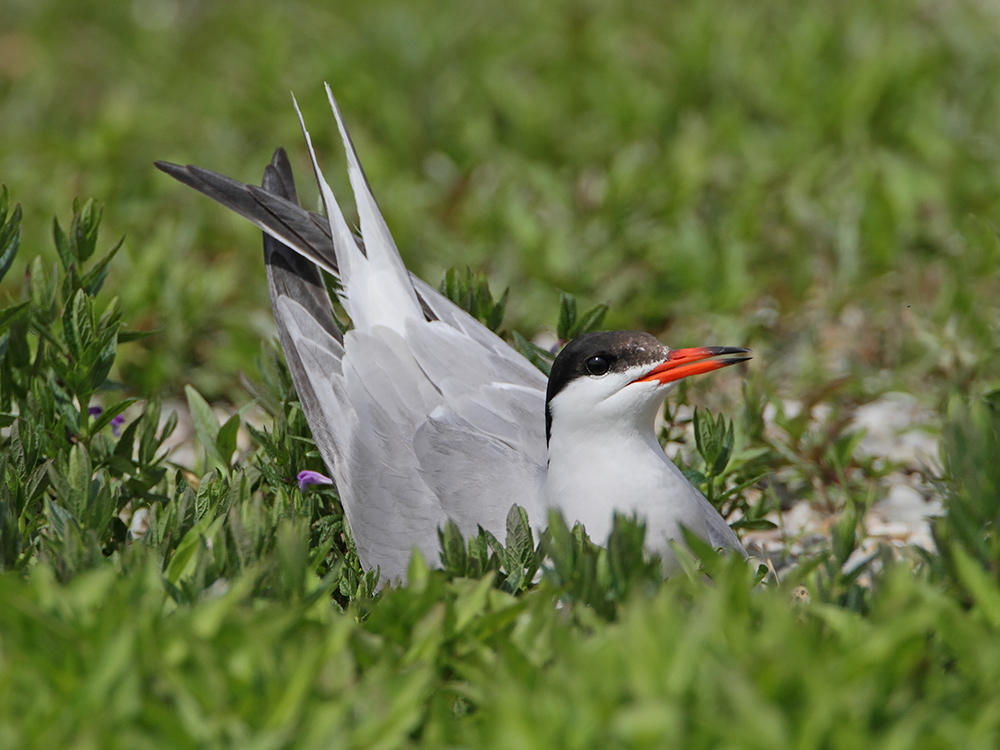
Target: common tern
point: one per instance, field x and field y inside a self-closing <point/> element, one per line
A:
<point x="422" y="414"/>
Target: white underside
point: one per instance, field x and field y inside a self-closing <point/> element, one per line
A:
<point x="593" y="476"/>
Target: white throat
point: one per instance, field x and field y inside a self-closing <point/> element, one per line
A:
<point x="606" y="461"/>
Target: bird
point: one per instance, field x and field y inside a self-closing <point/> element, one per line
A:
<point x="423" y="415"/>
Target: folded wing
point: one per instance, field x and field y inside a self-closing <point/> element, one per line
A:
<point x="421" y="413"/>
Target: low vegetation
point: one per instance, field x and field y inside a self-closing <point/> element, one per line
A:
<point x="147" y="603"/>
<point x="819" y="182"/>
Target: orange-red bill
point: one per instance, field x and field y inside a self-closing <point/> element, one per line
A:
<point x="682" y="363"/>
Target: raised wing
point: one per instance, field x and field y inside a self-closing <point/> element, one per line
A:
<point x="421" y="413"/>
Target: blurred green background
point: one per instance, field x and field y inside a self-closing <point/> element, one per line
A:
<point x="817" y="180"/>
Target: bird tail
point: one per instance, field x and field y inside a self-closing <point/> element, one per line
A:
<point x="375" y="287"/>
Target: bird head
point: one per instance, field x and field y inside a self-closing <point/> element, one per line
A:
<point x="616" y="380"/>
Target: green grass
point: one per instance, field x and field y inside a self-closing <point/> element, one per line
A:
<point x="819" y="182"/>
<point x="107" y="662"/>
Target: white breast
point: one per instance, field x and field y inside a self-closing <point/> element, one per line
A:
<point x="598" y="467"/>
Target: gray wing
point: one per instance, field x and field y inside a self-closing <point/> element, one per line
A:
<point x="443" y="422"/>
<point x="458" y="461"/>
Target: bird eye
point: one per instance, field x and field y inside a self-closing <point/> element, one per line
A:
<point x="597" y="365"/>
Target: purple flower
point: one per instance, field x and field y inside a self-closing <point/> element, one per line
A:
<point x="307" y="477"/>
<point x="116" y="422"/>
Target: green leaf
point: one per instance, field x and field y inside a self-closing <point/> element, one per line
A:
<point x="519" y="537"/>
<point x="18" y="354"/>
<point x="9" y="314"/>
<point x="755" y="524"/>
<point x="707" y="555"/>
<point x="180" y="564"/>
<point x="495" y="317"/>
<point x="494" y="544"/>
<point x="453" y="556"/>
<point x="80" y="472"/>
<point x="72" y="478"/>
<point x="42" y="289"/>
<point x="450" y="286"/>
<point x="472" y="293"/>
<point x="590" y="320"/>
<point x="735" y="490"/>
<point x="104" y="418"/>
<point x="62" y="245"/>
<point x="694" y="476"/>
<point x="627" y="560"/>
<point x="293" y="554"/>
<point x="539" y="357"/>
<point x="726" y="448"/>
<point x="78" y="330"/>
<point x="206" y="424"/>
<point x="226" y="440"/>
<point x="10" y="232"/>
<point x="844" y="535"/>
<point x="558" y="540"/>
<point x="83" y="231"/>
<point x="93" y="280"/>
<point x="567" y="316"/>
<point x="479" y="553"/>
<point x="125" y="337"/>
<point x="60" y="518"/>
<point x="110" y="319"/>
<point x="100" y="505"/>
<point x="705" y="438"/>
<point x="471" y="602"/>
<point x="979" y="584"/>
<point x="714" y="438"/>
<point x="102" y="364"/>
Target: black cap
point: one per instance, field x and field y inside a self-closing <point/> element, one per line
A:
<point x="596" y="353"/>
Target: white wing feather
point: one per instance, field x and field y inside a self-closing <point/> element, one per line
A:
<point x="406" y="393"/>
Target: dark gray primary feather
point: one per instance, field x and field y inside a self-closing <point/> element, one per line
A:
<point x="293" y="278"/>
<point x="307" y="232"/>
<point x="290" y="274"/>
